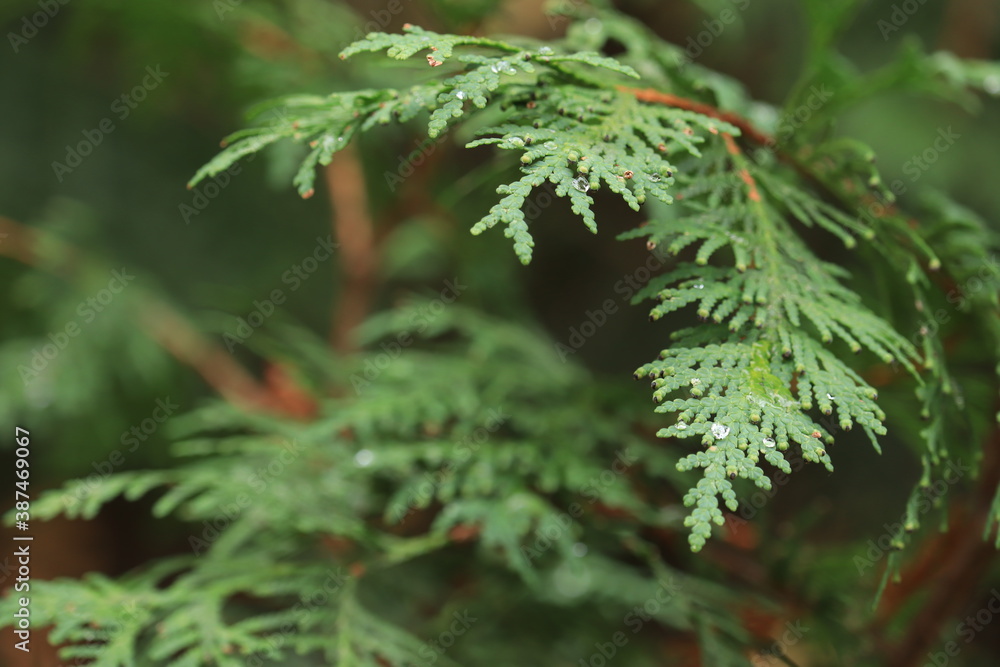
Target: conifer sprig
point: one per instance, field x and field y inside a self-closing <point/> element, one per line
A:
<point x="574" y="129"/>
<point x="574" y="125"/>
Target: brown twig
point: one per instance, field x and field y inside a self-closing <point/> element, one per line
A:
<point x="751" y="133"/>
<point x="968" y="28"/>
<point x="354" y="231"/>
<point x="752" y="192"/>
<point x="160" y="321"/>
<point x="217" y="367"/>
<point x="655" y="96"/>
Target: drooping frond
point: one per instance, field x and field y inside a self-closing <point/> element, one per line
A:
<point x="745" y="389"/>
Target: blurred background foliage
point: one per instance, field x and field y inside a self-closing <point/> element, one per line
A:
<point x="124" y="208"/>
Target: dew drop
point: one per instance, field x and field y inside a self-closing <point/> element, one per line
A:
<point x="680" y="426"/>
<point x="517" y="142"/>
<point x="695" y="382"/>
<point x="699" y="286"/>
<point x="581" y="184"/>
<point x="502" y="66"/>
<point x="654" y="177"/>
<point x="769" y="442"/>
<point x="830" y="398"/>
<point x="460" y="94"/>
<point x="719" y="431"/>
<point x="550" y="145"/>
<point x="364" y="458"/>
<point x="545" y="51"/>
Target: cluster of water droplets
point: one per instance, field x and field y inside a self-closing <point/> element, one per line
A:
<point x="502" y="67"/>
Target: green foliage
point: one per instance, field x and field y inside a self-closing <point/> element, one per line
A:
<point x="479" y="450"/>
<point x="500" y="443"/>
<point x="581" y="132"/>
<point x="567" y="134"/>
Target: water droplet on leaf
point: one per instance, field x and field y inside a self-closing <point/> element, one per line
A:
<point x="502" y="66"/>
<point x="769" y="442"/>
<point x="720" y="431"/>
<point x="581" y="184"/>
<point x="364" y="458"/>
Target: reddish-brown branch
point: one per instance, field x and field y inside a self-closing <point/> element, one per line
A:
<point x="353" y="228"/>
<point x="18" y="242"/>
<point x="160" y="321"/>
<point x="752" y="192"/>
<point x="749" y="132"/>
<point x="657" y="97"/>
<point x="217" y="367"/>
<point x="968" y="28"/>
